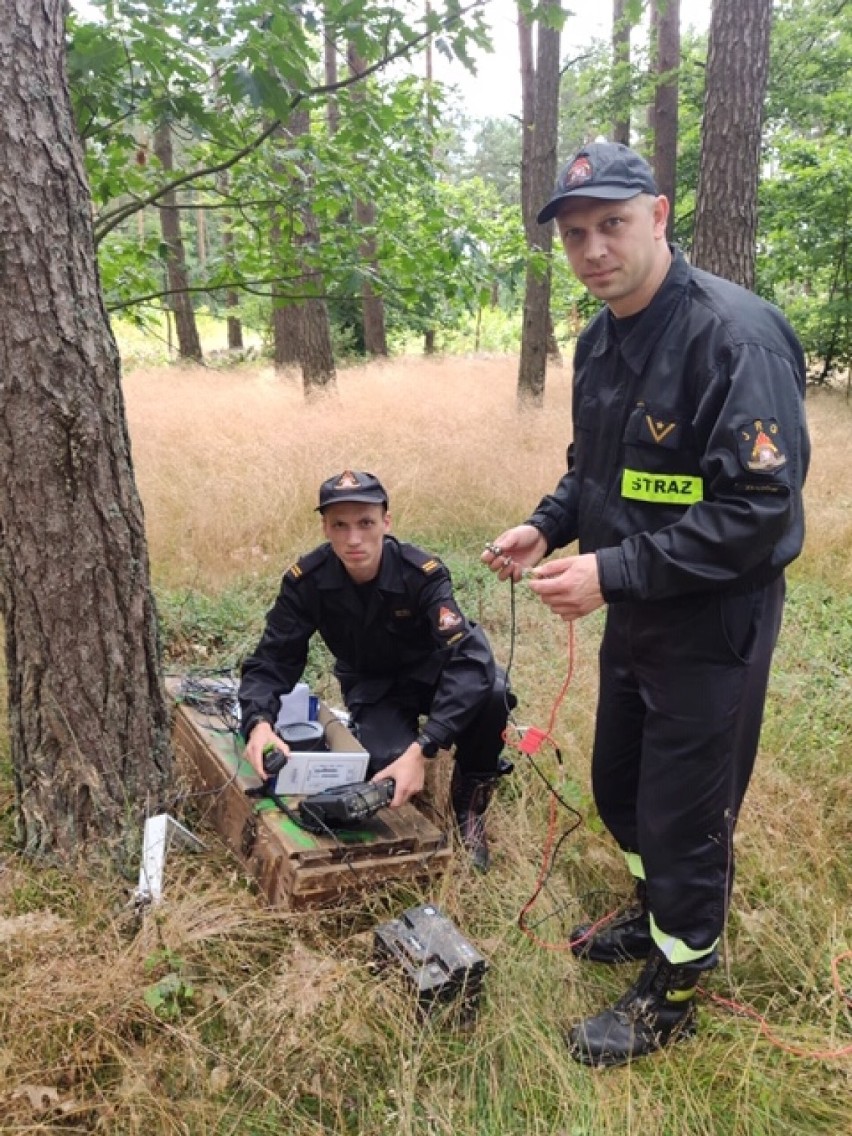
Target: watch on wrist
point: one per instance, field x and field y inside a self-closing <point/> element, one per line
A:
<point x="428" y="746"/>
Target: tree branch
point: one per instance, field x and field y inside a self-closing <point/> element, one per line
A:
<point x="110" y="221"/>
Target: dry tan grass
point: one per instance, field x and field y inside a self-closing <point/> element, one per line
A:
<point x="228" y="463"/>
<point x="828" y="493"/>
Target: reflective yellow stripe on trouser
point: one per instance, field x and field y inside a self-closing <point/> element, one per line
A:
<point x="634" y="863"/>
<point x="675" y="950"/>
<point x="661" y="488"/>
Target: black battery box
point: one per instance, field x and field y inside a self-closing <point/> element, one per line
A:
<point x="437" y="960"/>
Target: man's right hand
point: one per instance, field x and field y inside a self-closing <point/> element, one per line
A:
<point x="261" y="736"/>
<point x="514" y="550"/>
<point x="408" y="772"/>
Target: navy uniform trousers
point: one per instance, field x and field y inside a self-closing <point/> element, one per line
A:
<point x="387" y="727"/>
<point x="682" y="689"/>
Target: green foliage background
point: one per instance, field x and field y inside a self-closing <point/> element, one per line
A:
<point x="445" y="190"/>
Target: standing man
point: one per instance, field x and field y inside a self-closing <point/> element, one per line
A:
<point x="402" y="650"/>
<point x="683" y="487"/>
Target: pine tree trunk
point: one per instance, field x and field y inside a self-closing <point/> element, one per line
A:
<point x="372" y="305"/>
<point x="232" y="298"/>
<point x="541" y="176"/>
<point x="621" y="94"/>
<point x="316" y="354"/>
<point x="189" y="345"/>
<point x="286" y="335"/>
<point x="319" y="374"/>
<point x="88" y="717"/>
<point x="665" y="50"/>
<point x="729" y="169"/>
<point x="286" y="319"/>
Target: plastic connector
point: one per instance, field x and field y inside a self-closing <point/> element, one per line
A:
<point x="532" y="740"/>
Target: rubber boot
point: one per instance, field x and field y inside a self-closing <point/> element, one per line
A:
<point x="470" y="797"/>
<point x="625" y="938"/>
<point x="658" y="1009"/>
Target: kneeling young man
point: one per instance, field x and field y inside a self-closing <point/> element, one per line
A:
<point x="402" y="648"/>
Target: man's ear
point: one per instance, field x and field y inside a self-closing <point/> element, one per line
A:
<point x="387" y="522"/>
<point x="661" y="209"/>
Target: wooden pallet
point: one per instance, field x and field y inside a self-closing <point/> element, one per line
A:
<point x="295" y="868"/>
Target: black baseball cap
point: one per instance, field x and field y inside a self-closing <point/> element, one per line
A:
<point x="352" y="485"/>
<point x="609" y="171"/>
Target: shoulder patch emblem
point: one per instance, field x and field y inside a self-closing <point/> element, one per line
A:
<point x="430" y="565"/>
<point x="294" y="571"/>
<point x="449" y="618"/>
<point x="760" y="446"/>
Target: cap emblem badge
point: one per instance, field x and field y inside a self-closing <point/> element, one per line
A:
<point x="579" y="172"/>
<point x="347" y="480"/>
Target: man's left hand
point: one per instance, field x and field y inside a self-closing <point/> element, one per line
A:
<point x="570" y="587"/>
<point x="409" y="773"/>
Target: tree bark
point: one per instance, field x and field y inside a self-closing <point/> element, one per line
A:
<point x="189" y="345"/>
<point x="526" y="58"/>
<point x="729" y="168"/>
<point x="430" y="333"/>
<point x="539" y="168"/>
<point x="232" y="297"/>
<point x="286" y="321"/>
<point x="332" y="109"/>
<point x="316" y="354"/>
<point x="372" y="304"/>
<point x="88" y="716"/>
<point x="621" y="92"/>
<point x="663" y="116"/>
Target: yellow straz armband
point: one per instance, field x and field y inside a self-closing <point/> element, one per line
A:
<point x="661" y="489"/>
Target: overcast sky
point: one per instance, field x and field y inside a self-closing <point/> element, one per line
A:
<point x="496" y="88"/>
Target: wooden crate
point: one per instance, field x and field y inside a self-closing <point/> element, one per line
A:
<point x="295" y="868"/>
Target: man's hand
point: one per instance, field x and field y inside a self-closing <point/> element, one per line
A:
<point x="409" y="773"/>
<point x="261" y="736"/>
<point x="570" y="587"/>
<point x="514" y="550"/>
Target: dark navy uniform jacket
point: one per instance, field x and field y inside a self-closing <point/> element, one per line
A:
<point x="405" y="627"/>
<point x="690" y="445"/>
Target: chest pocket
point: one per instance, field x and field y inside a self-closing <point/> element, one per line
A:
<point x="664" y="432"/>
<point x="660" y="458"/>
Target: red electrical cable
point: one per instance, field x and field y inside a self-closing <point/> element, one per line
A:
<point x="530" y="743"/>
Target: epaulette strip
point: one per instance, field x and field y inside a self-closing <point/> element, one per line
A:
<point x="307" y="564"/>
<point x="425" y="561"/>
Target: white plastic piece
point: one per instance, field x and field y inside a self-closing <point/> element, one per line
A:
<point x="313" y="772"/>
<point x="295" y="706"/>
<point x="160" y="831"/>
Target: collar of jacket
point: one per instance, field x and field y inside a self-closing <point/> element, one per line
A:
<point x="643" y="337"/>
<point x="389" y="578"/>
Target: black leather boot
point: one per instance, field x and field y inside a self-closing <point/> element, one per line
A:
<point x="659" y="1008"/>
<point x="624" y="938"/>
<point x="470" y="797"/>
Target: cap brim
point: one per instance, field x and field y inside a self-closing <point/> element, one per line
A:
<point x="600" y="192"/>
<point x="355" y="499"/>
